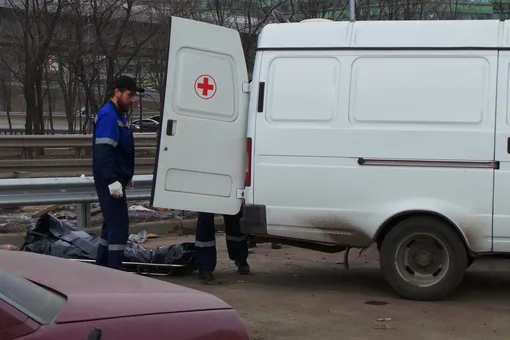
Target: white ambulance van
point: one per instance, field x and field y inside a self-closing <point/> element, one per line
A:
<point x="349" y="134"/>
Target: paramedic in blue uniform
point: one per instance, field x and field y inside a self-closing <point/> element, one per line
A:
<point x="205" y="244"/>
<point x="113" y="169"/>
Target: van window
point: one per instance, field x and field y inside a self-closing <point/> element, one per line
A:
<point x="421" y="89"/>
<point x="302" y="90"/>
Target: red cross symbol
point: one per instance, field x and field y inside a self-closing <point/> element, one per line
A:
<point x="205" y="86"/>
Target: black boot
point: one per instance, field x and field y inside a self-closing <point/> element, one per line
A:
<point x="205" y="275"/>
<point x="252" y="243"/>
<point x="243" y="268"/>
<point x="276" y="245"/>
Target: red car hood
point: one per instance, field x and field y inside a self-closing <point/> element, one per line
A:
<point x="94" y="292"/>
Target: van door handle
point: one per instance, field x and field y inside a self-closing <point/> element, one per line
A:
<point x="170" y="127"/>
<point x="508" y="145"/>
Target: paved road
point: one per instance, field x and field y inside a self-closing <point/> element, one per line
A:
<point x="298" y="294"/>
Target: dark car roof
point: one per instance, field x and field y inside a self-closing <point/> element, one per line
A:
<point x="118" y="293"/>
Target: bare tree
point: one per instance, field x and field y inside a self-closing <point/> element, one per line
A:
<point x="458" y="9"/>
<point x="247" y="16"/>
<point x="155" y="65"/>
<point x="63" y="70"/>
<point x="30" y="29"/>
<point x="6" y="96"/>
<point x="109" y="37"/>
<point x="121" y="33"/>
<point x="501" y="9"/>
<point x="402" y="10"/>
<point x="323" y="9"/>
<point x="393" y="10"/>
<point x="251" y="17"/>
<point x="47" y="96"/>
<point x="219" y="12"/>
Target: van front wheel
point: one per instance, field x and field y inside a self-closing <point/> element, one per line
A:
<point x="423" y="258"/>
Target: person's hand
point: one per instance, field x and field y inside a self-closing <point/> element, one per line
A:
<point x="116" y="189"/>
<point x="131" y="184"/>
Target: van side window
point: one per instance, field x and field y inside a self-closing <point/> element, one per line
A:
<point x="421" y="89"/>
<point x="302" y="90"/>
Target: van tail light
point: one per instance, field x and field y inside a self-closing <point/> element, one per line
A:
<point x="247" y="180"/>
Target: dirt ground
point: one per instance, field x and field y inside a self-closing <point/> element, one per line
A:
<point x="299" y="294"/>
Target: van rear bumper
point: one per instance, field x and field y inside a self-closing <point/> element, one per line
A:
<point x="254" y="221"/>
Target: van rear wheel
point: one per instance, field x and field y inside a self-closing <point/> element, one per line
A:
<point x="423" y="258"/>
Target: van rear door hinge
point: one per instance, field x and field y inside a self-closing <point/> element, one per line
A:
<point x="246" y="87"/>
<point x="240" y="193"/>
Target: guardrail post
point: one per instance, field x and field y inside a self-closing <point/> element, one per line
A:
<point x="78" y="152"/>
<point x="83" y="218"/>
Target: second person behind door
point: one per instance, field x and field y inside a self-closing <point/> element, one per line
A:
<point x="205" y="244"/>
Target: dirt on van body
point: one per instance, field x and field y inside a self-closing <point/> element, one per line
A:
<point x="303" y="295"/>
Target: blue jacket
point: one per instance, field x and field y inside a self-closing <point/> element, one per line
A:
<point x="113" y="153"/>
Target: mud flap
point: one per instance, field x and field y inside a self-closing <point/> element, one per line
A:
<point x="254" y="221"/>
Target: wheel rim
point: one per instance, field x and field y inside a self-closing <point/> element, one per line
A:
<point x="422" y="259"/>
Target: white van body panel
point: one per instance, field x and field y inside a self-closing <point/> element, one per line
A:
<point x="360" y="122"/>
<point x="324" y="110"/>
<point x="386" y="34"/>
<point x="252" y="120"/>
<point x="502" y="176"/>
<point x="202" y="147"/>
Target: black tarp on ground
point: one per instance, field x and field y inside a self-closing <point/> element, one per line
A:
<point x="57" y="238"/>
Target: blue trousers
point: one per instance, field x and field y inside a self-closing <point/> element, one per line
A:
<point x="115" y="231"/>
<point x="205" y="241"/>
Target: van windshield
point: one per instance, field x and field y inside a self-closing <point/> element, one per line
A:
<point x="38" y="303"/>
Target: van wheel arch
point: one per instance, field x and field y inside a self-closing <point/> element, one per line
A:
<point x="385" y="228"/>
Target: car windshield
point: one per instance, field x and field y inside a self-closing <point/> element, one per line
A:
<point x="38" y="303"/>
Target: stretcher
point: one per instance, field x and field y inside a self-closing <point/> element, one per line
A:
<point x="151" y="269"/>
<point x="57" y="238"/>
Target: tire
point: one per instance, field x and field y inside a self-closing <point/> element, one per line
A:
<point x="423" y="258"/>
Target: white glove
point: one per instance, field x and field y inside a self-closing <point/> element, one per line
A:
<point x="116" y="189"/>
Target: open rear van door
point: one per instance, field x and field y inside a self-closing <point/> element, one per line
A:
<point x="201" y="159"/>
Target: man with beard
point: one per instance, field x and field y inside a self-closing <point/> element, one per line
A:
<point x="113" y="164"/>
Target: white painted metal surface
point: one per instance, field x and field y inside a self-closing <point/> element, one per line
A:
<point x="203" y="148"/>
<point x="502" y="176"/>
<point x="325" y="109"/>
<point x="430" y="93"/>
<point x="408" y="33"/>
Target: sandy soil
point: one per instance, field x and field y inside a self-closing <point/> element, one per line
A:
<point x="299" y="294"/>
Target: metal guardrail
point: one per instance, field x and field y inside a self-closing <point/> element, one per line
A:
<point x="19" y="129"/>
<point x="142" y="140"/>
<point x="61" y="114"/>
<point x="80" y="143"/>
<point x="79" y="190"/>
<point x="69" y="167"/>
